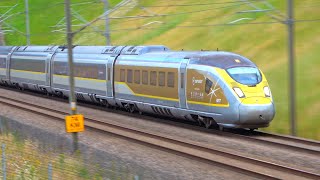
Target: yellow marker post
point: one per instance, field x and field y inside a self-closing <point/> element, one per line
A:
<point x="75" y="123"/>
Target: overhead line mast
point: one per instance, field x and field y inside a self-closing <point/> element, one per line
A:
<point x="72" y="99"/>
<point x="291" y="51"/>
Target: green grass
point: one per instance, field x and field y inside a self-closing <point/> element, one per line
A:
<point x="26" y="159"/>
<point x="265" y="44"/>
<point x="45" y="14"/>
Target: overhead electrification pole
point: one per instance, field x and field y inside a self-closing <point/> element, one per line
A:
<point x="1" y="35"/>
<point x="107" y="33"/>
<point x="72" y="98"/>
<point x="292" y="95"/>
<point x="27" y="22"/>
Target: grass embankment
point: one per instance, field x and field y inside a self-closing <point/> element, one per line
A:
<point x="28" y="160"/>
<point x="198" y="27"/>
<point x="44" y="15"/>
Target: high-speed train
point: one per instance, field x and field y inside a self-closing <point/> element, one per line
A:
<point x="209" y="87"/>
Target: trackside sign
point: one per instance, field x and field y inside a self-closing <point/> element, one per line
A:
<point x="75" y="123"/>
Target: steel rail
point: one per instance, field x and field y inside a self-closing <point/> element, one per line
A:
<point x="290" y="138"/>
<point x="258" y="138"/>
<point x="216" y="156"/>
<point x="245" y="135"/>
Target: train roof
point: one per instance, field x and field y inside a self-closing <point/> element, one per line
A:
<point x="150" y="53"/>
<point x="6" y="49"/>
<point x="219" y="59"/>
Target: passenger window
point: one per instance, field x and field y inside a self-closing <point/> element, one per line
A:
<point x="2" y="63"/>
<point x="145" y="77"/>
<point x="170" y="80"/>
<point x="153" y="78"/>
<point x="122" y="75"/>
<point x="137" y="76"/>
<point x="162" y="78"/>
<point x="129" y="76"/>
<point x="28" y="65"/>
<point x="208" y="85"/>
<point x="60" y="68"/>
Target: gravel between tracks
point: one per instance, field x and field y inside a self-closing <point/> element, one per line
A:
<point x="281" y="156"/>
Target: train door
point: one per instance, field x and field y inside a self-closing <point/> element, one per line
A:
<point x="183" y="83"/>
<point x="8" y="64"/>
<point x="49" y="64"/>
<point x="110" y="75"/>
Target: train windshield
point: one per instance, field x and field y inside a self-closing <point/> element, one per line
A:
<point x="245" y="75"/>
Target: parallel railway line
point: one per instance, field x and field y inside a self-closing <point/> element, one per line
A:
<point x="282" y="141"/>
<point x="215" y="156"/>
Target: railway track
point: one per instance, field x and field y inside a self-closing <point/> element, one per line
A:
<point x="295" y="143"/>
<point x="214" y="156"/>
<point x="288" y="142"/>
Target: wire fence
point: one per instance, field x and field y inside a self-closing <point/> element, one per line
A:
<point x="27" y="153"/>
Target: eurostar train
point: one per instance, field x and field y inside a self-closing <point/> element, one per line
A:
<point x="209" y="87"/>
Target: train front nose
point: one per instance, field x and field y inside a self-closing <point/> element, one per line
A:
<point x="256" y="111"/>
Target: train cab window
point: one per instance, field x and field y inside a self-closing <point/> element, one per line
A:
<point x="137" y="76"/>
<point x="153" y="78"/>
<point x="170" y="80"/>
<point x="129" y="75"/>
<point x="208" y="85"/>
<point x="145" y="77"/>
<point x="162" y="78"/>
<point x="245" y="75"/>
<point x="122" y="75"/>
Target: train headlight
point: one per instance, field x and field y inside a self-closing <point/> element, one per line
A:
<point x="267" y="91"/>
<point x="239" y="92"/>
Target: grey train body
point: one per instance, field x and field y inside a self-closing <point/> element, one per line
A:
<point x="45" y="69"/>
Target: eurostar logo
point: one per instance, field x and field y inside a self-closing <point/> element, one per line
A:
<point x="196" y="81"/>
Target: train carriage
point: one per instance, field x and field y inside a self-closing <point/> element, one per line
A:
<point x="209" y="87"/>
<point x="90" y="72"/>
<point x="29" y="67"/>
<point x="5" y="53"/>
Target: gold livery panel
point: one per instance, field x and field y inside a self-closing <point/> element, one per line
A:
<point x="148" y="90"/>
<point x="204" y="90"/>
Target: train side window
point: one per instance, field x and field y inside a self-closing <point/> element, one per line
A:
<point x="153" y="78"/>
<point x="28" y="65"/>
<point x="208" y="85"/>
<point x="101" y="72"/>
<point x="89" y="71"/>
<point x="145" y="77"/>
<point x="137" y="76"/>
<point x="129" y="75"/>
<point x="122" y="75"/>
<point x="162" y="78"/>
<point x="60" y="68"/>
<point x="2" y="63"/>
<point x="170" y="80"/>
